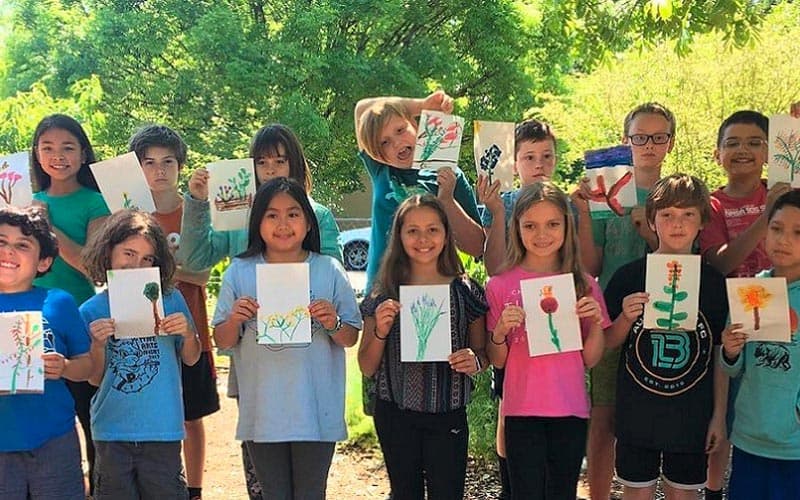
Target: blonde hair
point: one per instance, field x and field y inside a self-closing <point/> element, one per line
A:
<point x="372" y="121"/>
<point x="395" y="264"/>
<point x="568" y="254"/>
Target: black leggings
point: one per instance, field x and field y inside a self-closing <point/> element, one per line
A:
<point x="544" y="456"/>
<point x="423" y="449"/>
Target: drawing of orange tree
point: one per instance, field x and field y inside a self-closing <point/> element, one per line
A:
<point x="671" y="322"/>
<point x="152" y="292"/>
<point x="8" y="179"/>
<point x="281" y="327"/>
<point x="549" y="304"/>
<point x="754" y="298"/>
<point x="788" y="152"/>
<point x="27" y="337"/>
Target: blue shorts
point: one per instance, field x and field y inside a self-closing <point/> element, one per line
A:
<point x="51" y="471"/>
<point x="764" y="478"/>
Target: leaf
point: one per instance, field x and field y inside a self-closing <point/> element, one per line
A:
<point x="663" y="323"/>
<point x="680" y="316"/>
<point x="668" y="290"/>
<point x="681" y="296"/>
<point x="660" y="305"/>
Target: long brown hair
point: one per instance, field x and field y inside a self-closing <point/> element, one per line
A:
<point x="569" y="254"/>
<point x="395" y="265"/>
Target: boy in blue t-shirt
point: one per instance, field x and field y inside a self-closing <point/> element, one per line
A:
<point x="39" y="452"/>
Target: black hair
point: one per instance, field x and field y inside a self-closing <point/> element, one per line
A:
<point x="790" y="199"/>
<point x="747" y="117"/>
<point x="31" y="221"/>
<point x="266" y="142"/>
<point x="69" y="124"/>
<point x="158" y="136"/>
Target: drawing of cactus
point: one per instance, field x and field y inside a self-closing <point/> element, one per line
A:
<point x="489" y="160"/>
<point x="549" y="305"/>
<point x="8" y="179"/>
<point x="27" y="338"/>
<point x="435" y="136"/>
<point x="426" y="315"/>
<point x="788" y="152"/>
<point x="152" y="292"/>
<point x="671" y="288"/>
<point x="233" y="195"/>
<point x="279" y="328"/>
<point x="754" y="298"/>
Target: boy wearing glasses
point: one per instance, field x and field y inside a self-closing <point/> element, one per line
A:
<point x="650" y="130"/>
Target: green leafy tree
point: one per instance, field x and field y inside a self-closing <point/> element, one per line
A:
<point x="152" y="292"/>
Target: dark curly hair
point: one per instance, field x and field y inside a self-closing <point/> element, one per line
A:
<point x="31" y="221"/>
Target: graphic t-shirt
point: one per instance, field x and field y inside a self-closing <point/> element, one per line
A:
<point x="30" y="420"/>
<point x="139" y="398"/>
<point x="665" y="394"/>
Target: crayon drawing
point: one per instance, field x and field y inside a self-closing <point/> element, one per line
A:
<point x="283" y="294"/>
<point x="673" y="282"/>
<point x="122" y="183"/>
<point x="613" y="188"/>
<point x="550" y="318"/>
<point x="438" y="140"/>
<point x="231" y="185"/>
<point x="136" y="301"/>
<point x="15" y="181"/>
<point x="762" y="306"/>
<point x="21" y="349"/>
<point x="784" y="150"/>
<point x="425" y="323"/>
<point x="494" y="152"/>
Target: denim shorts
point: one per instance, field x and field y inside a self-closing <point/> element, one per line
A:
<point x="126" y="470"/>
<point x="51" y="471"/>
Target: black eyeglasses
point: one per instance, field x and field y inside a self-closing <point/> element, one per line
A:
<point x="642" y="139"/>
<point x="751" y="143"/>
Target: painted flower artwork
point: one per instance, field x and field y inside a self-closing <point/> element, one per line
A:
<point x="426" y="314"/>
<point x="672" y="317"/>
<point x="438" y="140"/>
<point x="8" y="180"/>
<point x="234" y="194"/>
<point x="549" y="304"/>
<point x="21" y="368"/>
<point x="280" y="328"/>
<point x="754" y="298"/>
<point x="787" y="152"/>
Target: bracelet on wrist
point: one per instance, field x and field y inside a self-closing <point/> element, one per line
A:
<point x="375" y="333"/>
<point x="491" y="337"/>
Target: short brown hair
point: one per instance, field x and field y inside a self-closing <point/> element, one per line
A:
<point x="534" y="131"/>
<point x="649" y="108"/>
<point x="678" y="190"/>
<point x="371" y="123"/>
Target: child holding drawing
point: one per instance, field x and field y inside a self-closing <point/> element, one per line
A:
<point x="60" y="158"/>
<point x="546" y="422"/>
<point x="39" y="452"/>
<point x="766" y="431"/>
<point x="137" y="413"/>
<point x="289" y="434"/>
<point x="420" y="413"/>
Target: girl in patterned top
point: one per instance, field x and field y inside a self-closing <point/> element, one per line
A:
<point x="420" y="413"/>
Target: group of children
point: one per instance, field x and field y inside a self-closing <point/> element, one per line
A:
<point x="646" y="419"/>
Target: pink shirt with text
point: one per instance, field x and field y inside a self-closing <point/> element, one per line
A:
<point x="553" y="385"/>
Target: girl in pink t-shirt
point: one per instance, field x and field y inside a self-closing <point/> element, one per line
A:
<point x="545" y="404"/>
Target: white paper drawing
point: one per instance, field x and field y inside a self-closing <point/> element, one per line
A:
<point x="762" y="306"/>
<point x="438" y="140"/>
<point x="784" y="150"/>
<point x="231" y="188"/>
<point x="284" y="293"/>
<point x="15" y="181"/>
<point x="550" y="318"/>
<point x="123" y="184"/>
<point x="136" y="301"/>
<point x="673" y="282"/>
<point x="425" y="323"/>
<point x="21" y="349"/>
<point x="494" y="152"/>
<point x="611" y="178"/>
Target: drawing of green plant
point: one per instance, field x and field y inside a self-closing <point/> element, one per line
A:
<point x="233" y="195"/>
<point x="27" y="337"/>
<point x="549" y="304"/>
<point x="435" y="136"/>
<point x="788" y="154"/>
<point x="279" y="328"/>
<point x="127" y="202"/>
<point x="671" y="322"/>
<point x="426" y="315"/>
<point x="8" y="179"/>
<point x="152" y="292"/>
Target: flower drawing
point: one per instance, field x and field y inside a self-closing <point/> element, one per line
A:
<point x="489" y="160"/>
<point x="754" y="298"/>
<point x="549" y="304"/>
<point x="8" y="179"/>
<point x="426" y="315"/>
<point x="674" y="317"/>
<point x="787" y="153"/>
<point x="435" y="136"/>
<point x="233" y="195"/>
<point x="27" y="337"/>
<point x="281" y="327"/>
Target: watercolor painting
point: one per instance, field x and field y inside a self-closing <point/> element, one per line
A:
<point x="673" y="282"/>
<point x="425" y="323"/>
<point x="232" y="186"/>
<point x="283" y="294"/>
<point x="550" y="318"/>
<point x="122" y="183"/>
<point x="494" y="152"/>
<point x="613" y="187"/>
<point x="438" y="140"/>
<point x="21" y="349"/>
<point x="762" y="306"/>
<point x="15" y="181"/>
<point x="136" y="301"/>
<point x="784" y="150"/>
